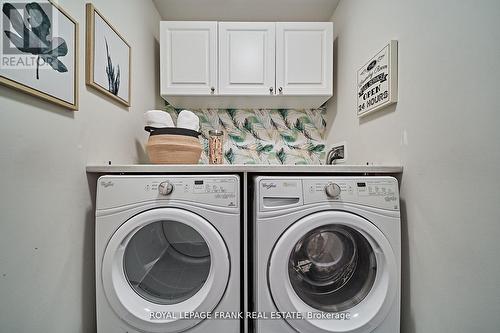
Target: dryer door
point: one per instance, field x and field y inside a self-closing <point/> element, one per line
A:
<point x="161" y="264"/>
<point x="335" y="268"/>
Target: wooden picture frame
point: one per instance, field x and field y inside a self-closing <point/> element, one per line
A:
<point x="47" y="84"/>
<point x="95" y="76"/>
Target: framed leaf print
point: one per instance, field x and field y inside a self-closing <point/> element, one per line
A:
<point x="39" y="50"/>
<point x="108" y="58"/>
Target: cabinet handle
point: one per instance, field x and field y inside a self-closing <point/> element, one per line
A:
<point x="271" y="90"/>
<point x="280" y="89"/>
<point x="212" y="90"/>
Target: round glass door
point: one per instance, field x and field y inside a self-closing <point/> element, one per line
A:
<point x="333" y="262"/>
<point x="332" y="268"/>
<point x="166" y="262"/>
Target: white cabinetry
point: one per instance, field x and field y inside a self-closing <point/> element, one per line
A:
<point x="188" y="58"/>
<point x="304" y="61"/>
<point x="246" y="64"/>
<point x="246" y="58"/>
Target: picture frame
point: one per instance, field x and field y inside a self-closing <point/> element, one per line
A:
<point x="108" y="58"/>
<point x="40" y="61"/>
<point x="377" y="81"/>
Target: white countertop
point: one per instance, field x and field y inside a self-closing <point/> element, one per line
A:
<point x="255" y="168"/>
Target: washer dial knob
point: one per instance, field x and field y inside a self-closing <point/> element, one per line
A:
<point x="332" y="190"/>
<point x="165" y="188"/>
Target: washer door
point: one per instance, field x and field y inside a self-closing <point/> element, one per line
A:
<point x="162" y="263"/>
<point x="336" y="265"/>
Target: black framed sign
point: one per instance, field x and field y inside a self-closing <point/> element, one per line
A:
<point x="377" y="84"/>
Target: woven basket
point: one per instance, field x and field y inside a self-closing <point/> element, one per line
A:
<point x="173" y="148"/>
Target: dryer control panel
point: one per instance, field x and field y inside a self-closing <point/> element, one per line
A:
<point x="276" y="193"/>
<point x="222" y="191"/>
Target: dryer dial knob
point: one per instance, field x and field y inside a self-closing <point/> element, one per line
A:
<point x="332" y="190"/>
<point x="165" y="188"/>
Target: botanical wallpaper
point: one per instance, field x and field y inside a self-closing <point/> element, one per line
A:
<point x="258" y="136"/>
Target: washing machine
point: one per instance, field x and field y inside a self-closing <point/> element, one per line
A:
<point x="167" y="253"/>
<point x="327" y="254"/>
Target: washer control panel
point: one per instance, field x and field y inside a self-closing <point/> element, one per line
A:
<point x="213" y="186"/>
<point x="380" y="192"/>
<point x="215" y="190"/>
<point x="165" y="188"/>
<point x="333" y="190"/>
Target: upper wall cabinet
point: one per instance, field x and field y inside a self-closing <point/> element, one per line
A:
<point x="246" y="58"/>
<point x="188" y="58"/>
<point x="259" y="64"/>
<point x="304" y="61"/>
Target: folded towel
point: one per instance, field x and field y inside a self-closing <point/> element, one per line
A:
<point x="187" y="119"/>
<point x="157" y="125"/>
<point x="158" y="118"/>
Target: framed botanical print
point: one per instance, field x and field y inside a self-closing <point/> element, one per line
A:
<point x="39" y="50"/>
<point x="107" y="58"/>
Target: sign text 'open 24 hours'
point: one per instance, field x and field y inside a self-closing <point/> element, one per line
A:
<point x="377" y="81"/>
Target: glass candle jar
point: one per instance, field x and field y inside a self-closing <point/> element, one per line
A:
<point x="215" y="147"/>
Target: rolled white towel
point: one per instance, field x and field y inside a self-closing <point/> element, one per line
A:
<point x="158" y="118"/>
<point x="187" y="119"/>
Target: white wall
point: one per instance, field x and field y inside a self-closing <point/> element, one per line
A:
<point x="445" y="132"/>
<point x="46" y="213"/>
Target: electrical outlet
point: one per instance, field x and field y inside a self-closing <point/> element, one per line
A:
<point x="338" y="153"/>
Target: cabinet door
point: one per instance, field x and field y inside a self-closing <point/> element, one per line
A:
<point x="304" y="58"/>
<point x="188" y="58"/>
<point x="246" y="58"/>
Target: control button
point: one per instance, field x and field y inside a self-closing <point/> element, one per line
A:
<point x="165" y="188"/>
<point x="332" y="190"/>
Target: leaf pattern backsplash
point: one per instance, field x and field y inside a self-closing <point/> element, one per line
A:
<point x="257" y="136"/>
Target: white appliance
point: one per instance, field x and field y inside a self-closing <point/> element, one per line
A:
<point x="327" y="254"/>
<point x="167" y="253"/>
